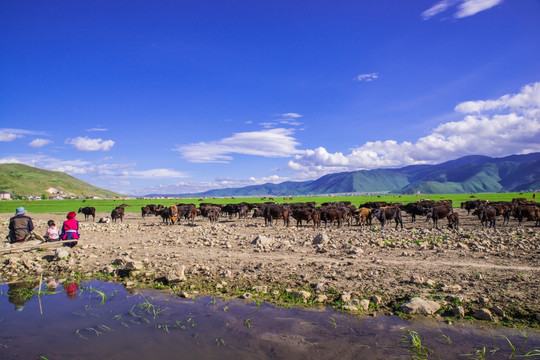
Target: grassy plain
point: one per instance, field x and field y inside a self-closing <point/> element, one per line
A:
<point x="61" y="206"/>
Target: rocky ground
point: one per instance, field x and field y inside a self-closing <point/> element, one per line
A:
<point x="471" y="273"/>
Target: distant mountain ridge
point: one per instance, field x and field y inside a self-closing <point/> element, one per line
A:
<point x="22" y="179"/>
<point x="475" y="173"/>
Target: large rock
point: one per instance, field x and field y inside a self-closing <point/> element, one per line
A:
<point x="321" y="239"/>
<point x="483" y="314"/>
<point x="61" y="254"/>
<point x="420" y="306"/>
<point x="262" y="240"/>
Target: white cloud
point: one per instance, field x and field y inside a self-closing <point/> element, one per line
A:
<point x="514" y="131"/>
<point x="465" y="8"/>
<point x="436" y="9"/>
<point x="527" y="98"/>
<point x="87" y="144"/>
<point x="10" y="160"/>
<point x="7" y="136"/>
<point x="153" y="173"/>
<point x="36" y="143"/>
<point x="187" y="187"/>
<point x="277" y="142"/>
<point x="291" y="115"/>
<point x="96" y="129"/>
<point x="367" y="77"/>
<point x="472" y="7"/>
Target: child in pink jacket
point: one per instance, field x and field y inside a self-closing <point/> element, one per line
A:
<point x="70" y="229"/>
<point x="52" y="231"/>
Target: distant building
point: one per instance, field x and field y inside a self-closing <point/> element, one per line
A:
<point x="4" y="195"/>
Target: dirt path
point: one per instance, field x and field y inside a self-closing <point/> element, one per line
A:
<point x="471" y="269"/>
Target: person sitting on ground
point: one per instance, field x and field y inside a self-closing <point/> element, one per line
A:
<point x="52" y="231"/>
<point x="20" y="226"/>
<point x="70" y="229"/>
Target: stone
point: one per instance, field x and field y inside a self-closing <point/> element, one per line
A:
<point x="417" y="279"/>
<point x="483" y="300"/>
<point x="451" y="288"/>
<point x="184" y="295"/>
<point x="483" y="314"/>
<point x="320" y="298"/>
<point x="246" y="295"/>
<point x="350" y="308"/>
<point x="320" y="239"/>
<point x="180" y="272"/>
<point x="420" y="306"/>
<point x="133" y="265"/>
<point x="498" y="311"/>
<point x="109" y="270"/>
<point x="302" y="294"/>
<point x="61" y="254"/>
<point x="261" y="289"/>
<point x="345" y="297"/>
<point x="376" y="299"/>
<point x="458" y="311"/>
<point x="431" y="283"/>
<point x="262" y="240"/>
<point x="364" y="304"/>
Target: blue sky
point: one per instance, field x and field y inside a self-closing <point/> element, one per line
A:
<point x="180" y="96"/>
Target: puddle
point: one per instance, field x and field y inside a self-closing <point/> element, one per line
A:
<point x="102" y="320"/>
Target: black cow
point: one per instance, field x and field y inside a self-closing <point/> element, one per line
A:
<point x="188" y="212"/>
<point x="118" y="213"/>
<point x="307" y="214"/>
<point x="145" y="211"/>
<point x="276" y="212"/>
<point x="487" y="214"/>
<point x="529" y="212"/>
<point x="413" y="209"/>
<point x="471" y="205"/>
<point x="386" y="213"/>
<point x="438" y="212"/>
<point x="88" y="211"/>
<point x="332" y="214"/>
<point x="213" y="215"/>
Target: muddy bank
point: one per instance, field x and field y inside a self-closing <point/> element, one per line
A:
<point x="491" y="275"/>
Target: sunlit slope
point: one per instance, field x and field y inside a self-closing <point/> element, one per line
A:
<point x="21" y="179"/>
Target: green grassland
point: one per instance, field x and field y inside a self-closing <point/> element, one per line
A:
<point x="26" y="180"/>
<point x="63" y="206"/>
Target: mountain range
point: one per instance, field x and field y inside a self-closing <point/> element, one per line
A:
<point x="469" y="174"/>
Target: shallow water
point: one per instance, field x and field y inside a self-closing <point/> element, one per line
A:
<point x="77" y="322"/>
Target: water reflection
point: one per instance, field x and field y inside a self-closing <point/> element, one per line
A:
<point x="20" y="293"/>
<point x="103" y="320"/>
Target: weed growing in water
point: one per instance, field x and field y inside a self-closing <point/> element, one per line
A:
<point x="333" y="322"/>
<point x="247" y="323"/>
<point x="416" y="344"/>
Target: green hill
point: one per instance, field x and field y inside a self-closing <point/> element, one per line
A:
<point x="21" y="179"/>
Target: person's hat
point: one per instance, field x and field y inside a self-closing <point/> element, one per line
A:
<point x="20" y="211"/>
<point x="71" y="215"/>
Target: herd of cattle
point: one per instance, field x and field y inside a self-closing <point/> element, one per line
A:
<point x="339" y="213"/>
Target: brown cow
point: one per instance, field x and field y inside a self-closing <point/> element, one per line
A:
<point x="363" y="217"/>
<point x="453" y="221"/>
